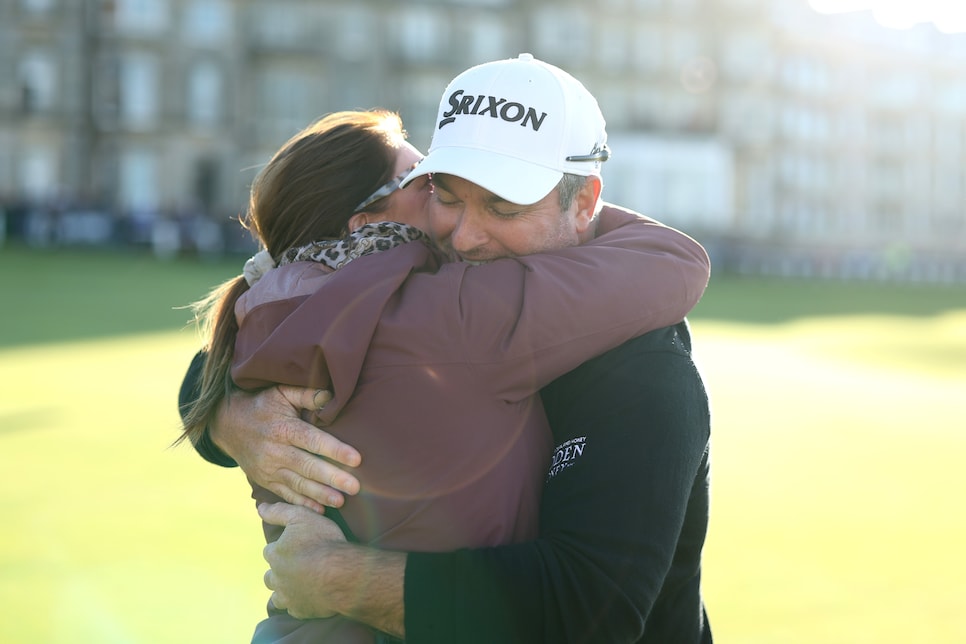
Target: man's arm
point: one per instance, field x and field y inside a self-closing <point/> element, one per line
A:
<point x="264" y="435"/>
<point x="315" y="573"/>
<point x="623" y="518"/>
<point x="621" y="525"/>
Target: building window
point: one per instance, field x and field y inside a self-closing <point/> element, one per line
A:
<point x="887" y="181"/>
<point x="274" y="26"/>
<point x="206" y="183"/>
<point x="746" y="57"/>
<point x="139" y="91"/>
<point x="948" y="140"/>
<point x="805" y="75"/>
<point x="37" y="6"/>
<point x="613" y="99"/>
<point x="614" y="44"/>
<point x="648" y="49"/>
<point x="38" y="172"/>
<point x="207" y="22"/>
<point x="288" y="99"/>
<point x="747" y="117"/>
<point x="138" y="181"/>
<point x="420" y="97"/>
<point x="420" y="33"/>
<point x="948" y="188"/>
<point x="354" y="33"/>
<point x="146" y="17"/>
<point x="487" y="39"/>
<point x="683" y="47"/>
<point x="647" y="105"/>
<point x="614" y="5"/>
<point x="38" y="83"/>
<point x="205" y="93"/>
<point x="686" y="111"/>
<point x="951" y="97"/>
<point x="851" y="125"/>
<point x="562" y="34"/>
<point x="897" y="90"/>
<point x="684" y="6"/>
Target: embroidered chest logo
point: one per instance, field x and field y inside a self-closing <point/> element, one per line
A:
<point x="565" y="455"/>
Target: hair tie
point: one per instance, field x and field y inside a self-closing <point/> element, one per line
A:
<point x="257" y="265"/>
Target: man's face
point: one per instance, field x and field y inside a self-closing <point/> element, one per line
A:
<point x="480" y="226"/>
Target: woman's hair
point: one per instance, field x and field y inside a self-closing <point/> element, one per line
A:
<point x="307" y="192"/>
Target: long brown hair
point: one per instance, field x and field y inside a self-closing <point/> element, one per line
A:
<point x="307" y="192"/>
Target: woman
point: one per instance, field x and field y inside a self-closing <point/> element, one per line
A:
<point x="434" y="366"/>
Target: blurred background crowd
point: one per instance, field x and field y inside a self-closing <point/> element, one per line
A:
<point x="791" y="137"/>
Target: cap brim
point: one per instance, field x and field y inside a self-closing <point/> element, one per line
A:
<point x="509" y="178"/>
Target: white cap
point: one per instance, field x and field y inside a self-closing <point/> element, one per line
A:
<point x="514" y="127"/>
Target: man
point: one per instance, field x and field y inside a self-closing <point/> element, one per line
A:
<point x="625" y="508"/>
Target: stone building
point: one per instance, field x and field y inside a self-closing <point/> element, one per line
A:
<point x="789" y="141"/>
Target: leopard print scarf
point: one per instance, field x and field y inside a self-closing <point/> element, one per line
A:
<point x="368" y="239"/>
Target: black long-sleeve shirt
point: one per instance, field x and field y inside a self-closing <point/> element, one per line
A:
<point x="623" y="516"/>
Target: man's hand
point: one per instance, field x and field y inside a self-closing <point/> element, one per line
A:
<point x="315" y="573"/>
<point x="296" y="559"/>
<point x="279" y="451"/>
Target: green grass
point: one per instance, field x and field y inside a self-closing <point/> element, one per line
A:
<point x="838" y="438"/>
<point x="68" y="295"/>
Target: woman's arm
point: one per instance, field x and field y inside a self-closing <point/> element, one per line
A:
<point x="265" y="435"/>
<point x="667" y="272"/>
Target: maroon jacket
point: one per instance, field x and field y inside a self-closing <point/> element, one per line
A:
<point x="435" y="369"/>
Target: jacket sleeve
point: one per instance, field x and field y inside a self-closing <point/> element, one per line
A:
<point x="187" y="395"/>
<point x="517" y="323"/>
<point x="522" y="322"/>
<point x="611" y="527"/>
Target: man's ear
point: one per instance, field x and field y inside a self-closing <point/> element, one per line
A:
<point x="358" y="220"/>
<point x="586" y="203"/>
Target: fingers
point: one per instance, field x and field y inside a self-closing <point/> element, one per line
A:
<point x="298" y="490"/>
<point x="298" y="475"/>
<point x="321" y="443"/>
<point x="307" y="436"/>
<point x="276" y="601"/>
<point x="310" y="492"/>
<point x="302" y="398"/>
<point x="316" y="484"/>
<point x="321" y="471"/>
<point x="333" y="498"/>
<point x="320" y="397"/>
<point x="280" y="514"/>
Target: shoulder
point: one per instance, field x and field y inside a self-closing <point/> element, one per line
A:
<point x="674" y="340"/>
<point x="656" y="365"/>
<point x="286" y="282"/>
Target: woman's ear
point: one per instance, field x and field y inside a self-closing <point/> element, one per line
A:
<point x="358" y="220"/>
<point x="586" y="203"/>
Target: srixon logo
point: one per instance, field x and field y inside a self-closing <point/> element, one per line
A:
<point x="498" y="108"/>
<point x="566" y="454"/>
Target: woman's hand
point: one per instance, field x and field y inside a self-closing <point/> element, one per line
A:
<point x="279" y="451"/>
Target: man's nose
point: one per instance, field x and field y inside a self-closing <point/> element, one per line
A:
<point x="467" y="233"/>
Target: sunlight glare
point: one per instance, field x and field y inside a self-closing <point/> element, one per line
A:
<point x="949" y="16"/>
